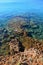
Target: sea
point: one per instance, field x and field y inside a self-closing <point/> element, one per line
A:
<point x="8" y="10"/>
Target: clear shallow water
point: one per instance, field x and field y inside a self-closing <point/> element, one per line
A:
<point x="19" y="7"/>
<point x="7" y="9"/>
<point x="13" y="7"/>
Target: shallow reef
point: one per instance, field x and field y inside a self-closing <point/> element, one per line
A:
<point x="21" y="42"/>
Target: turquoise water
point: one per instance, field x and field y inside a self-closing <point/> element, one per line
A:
<point x="20" y="7"/>
<point x="10" y="8"/>
<point x="13" y="7"/>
